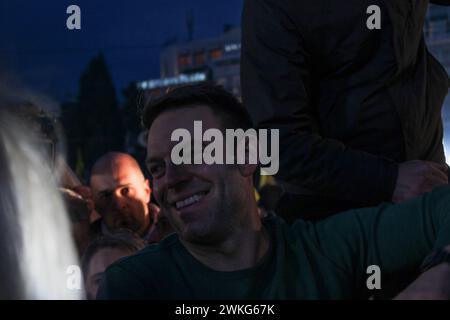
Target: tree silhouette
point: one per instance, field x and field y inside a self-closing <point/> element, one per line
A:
<point x="131" y="111"/>
<point x="93" y="124"/>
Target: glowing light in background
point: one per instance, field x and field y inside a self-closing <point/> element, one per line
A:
<point x="446" y="121"/>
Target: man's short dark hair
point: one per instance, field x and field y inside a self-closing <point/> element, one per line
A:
<point x="222" y="103"/>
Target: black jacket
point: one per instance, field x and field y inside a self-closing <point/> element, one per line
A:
<point x="350" y="103"/>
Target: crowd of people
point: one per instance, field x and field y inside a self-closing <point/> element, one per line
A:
<point x="221" y="245"/>
<point x="56" y="219"/>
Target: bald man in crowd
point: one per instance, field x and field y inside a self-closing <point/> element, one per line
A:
<point x="122" y="198"/>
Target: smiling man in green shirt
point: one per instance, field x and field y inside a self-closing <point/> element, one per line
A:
<point x="224" y="250"/>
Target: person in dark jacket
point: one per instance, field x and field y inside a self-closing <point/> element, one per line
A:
<point x="359" y="110"/>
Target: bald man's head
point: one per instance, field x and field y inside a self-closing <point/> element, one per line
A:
<point x="111" y="161"/>
<point x="121" y="193"/>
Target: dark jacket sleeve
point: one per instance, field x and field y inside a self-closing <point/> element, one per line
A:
<point x="441" y="2"/>
<point x="276" y="87"/>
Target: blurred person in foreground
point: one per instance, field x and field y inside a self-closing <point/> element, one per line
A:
<point x="222" y="249"/>
<point x="122" y="196"/>
<point x="102" y="252"/>
<point x="36" y="247"/>
<point x="48" y="134"/>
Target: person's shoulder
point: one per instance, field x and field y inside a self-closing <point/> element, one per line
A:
<point x="138" y="276"/>
<point x="299" y="230"/>
<point x="272" y="220"/>
<point x="151" y="256"/>
<point x="281" y="229"/>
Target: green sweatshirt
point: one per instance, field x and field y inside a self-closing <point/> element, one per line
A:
<point x="321" y="260"/>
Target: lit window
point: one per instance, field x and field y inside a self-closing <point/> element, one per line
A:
<point x="199" y="58"/>
<point x="184" y="60"/>
<point x="216" y="53"/>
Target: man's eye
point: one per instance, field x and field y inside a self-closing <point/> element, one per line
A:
<point x="125" y="191"/>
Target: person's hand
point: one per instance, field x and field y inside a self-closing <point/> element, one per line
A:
<point x="86" y="193"/>
<point x="161" y="226"/>
<point x="417" y="177"/>
<point x="434" y="284"/>
<point x="431" y="285"/>
<point x="155" y="211"/>
<point x="77" y="206"/>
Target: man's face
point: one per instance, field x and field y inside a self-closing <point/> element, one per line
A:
<point x="201" y="201"/>
<point x="101" y="260"/>
<point x="121" y="196"/>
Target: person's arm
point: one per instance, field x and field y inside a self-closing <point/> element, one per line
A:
<point x="396" y="238"/>
<point x="277" y="83"/>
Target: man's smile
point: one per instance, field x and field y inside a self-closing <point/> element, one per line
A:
<point x="188" y="203"/>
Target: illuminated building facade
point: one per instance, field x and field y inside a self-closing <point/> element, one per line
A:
<point x="215" y="59"/>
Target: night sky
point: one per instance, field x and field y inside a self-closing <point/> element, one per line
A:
<point x="39" y="54"/>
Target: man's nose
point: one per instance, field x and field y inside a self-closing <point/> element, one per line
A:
<point x="119" y="200"/>
<point x="176" y="174"/>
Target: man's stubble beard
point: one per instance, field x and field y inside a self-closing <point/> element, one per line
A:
<point x="223" y="218"/>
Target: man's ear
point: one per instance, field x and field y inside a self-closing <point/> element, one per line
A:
<point x="247" y="170"/>
<point x="251" y="158"/>
<point x="148" y="190"/>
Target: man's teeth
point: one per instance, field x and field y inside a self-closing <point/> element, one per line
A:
<point x="188" y="201"/>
